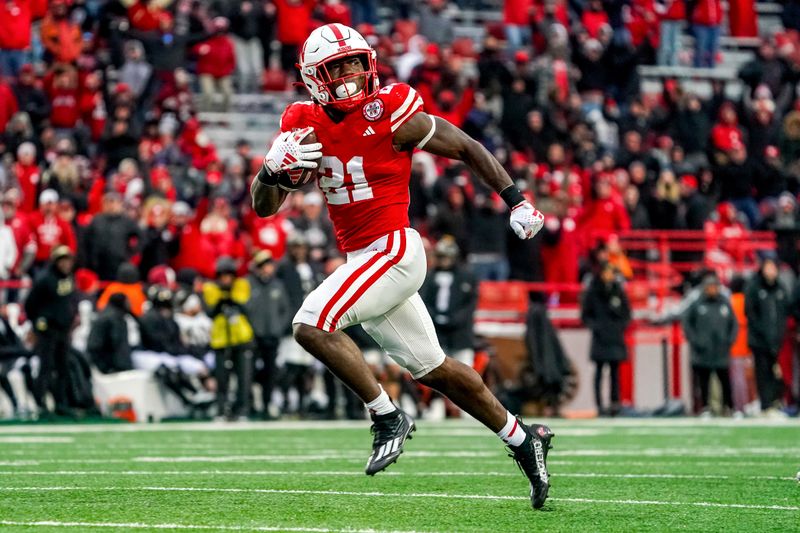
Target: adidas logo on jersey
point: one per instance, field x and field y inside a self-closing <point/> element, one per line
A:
<point x="367" y="132"/>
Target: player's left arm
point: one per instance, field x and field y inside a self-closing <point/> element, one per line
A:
<point x="440" y="137"/>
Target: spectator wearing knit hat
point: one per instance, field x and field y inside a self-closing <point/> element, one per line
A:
<point x="50" y="308"/>
<point x="50" y="231"/>
<point x="28" y="175"/>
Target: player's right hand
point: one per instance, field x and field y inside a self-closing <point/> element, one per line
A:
<point x="526" y="220"/>
<point x="287" y="154"/>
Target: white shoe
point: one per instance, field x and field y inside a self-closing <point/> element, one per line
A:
<point x="738" y="415"/>
<point x="436" y="411"/>
<point x="203" y="397"/>
<point x="776" y="414"/>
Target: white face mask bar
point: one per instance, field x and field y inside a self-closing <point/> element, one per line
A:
<point x="428" y="137"/>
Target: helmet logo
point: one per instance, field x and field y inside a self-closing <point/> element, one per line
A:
<point x="373" y="110"/>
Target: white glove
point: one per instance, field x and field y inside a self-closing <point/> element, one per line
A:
<point x="526" y="220"/>
<point x="288" y="155"/>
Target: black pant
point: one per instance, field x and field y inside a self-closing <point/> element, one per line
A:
<point x="266" y="375"/>
<point x="702" y="380"/>
<point x="52" y="347"/>
<point x="289" y="59"/>
<point x="5" y="385"/>
<point x="613" y="368"/>
<point x="769" y="387"/>
<point x="240" y="360"/>
<point x="353" y="406"/>
<point x="297" y="376"/>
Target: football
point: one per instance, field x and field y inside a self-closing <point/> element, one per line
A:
<point x="297" y="179"/>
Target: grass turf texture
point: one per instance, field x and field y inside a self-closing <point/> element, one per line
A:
<point x="626" y="475"/>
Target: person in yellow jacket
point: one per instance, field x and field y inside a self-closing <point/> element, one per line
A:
<point x="231" y="336"/>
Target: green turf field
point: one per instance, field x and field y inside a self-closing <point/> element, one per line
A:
<point x="626" y="475"/>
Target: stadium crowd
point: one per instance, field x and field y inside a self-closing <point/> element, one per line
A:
<point x="107" y="168"/>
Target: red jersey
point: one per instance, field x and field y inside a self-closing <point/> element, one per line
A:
<point x="51" y="231"/>
<point x="363" y="178"/>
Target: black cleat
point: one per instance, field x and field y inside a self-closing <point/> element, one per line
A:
<point x="391" y="432"/>
<point x="531" y="457"/>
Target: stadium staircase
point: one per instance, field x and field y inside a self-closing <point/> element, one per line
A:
<point x="252" y="117"/>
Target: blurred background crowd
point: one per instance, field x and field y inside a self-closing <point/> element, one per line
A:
<point x="117" y="178"/>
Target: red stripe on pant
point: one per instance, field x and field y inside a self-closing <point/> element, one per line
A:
<point x="349" y="282"/>
<point x="372" y="279"/>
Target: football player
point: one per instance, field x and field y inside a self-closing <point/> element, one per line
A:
<point x="365" y="135"/>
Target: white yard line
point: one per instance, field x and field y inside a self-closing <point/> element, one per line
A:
<point x="492" y="460"/>
<point x="354" y="473"/>
<point x="556" y="424"/>
<point x="304" y="457"/>
<point x="139" y="525"/>
<point x="22" y="439"/>
<point x="399" y="495"/>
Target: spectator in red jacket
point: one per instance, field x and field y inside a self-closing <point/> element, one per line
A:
<point x="294" y="21"/>
<point x="63" y="93"/>
<point x="742" y="18"/>
<point x="92" y="106"/>
<point x="146" y="15"/>
<point x="336" y="11"/>
<point x="726" y="133"/>
<point x="603" y="215"/>
<point x="50" y="230"/>
<point x="560" y="247"/>
<point x="215" y="65"/>
<point x="673" y="13"/>
<point x="28" y="175"/>
<point x="516" y="20"/>
<point x="15" y="35"/>
<point x="8" y="104"/>
<point x="594" y="17"/>
<point x="194" y="251"/>
<point x="448" y="105"/>
<point x="706" y="22"/>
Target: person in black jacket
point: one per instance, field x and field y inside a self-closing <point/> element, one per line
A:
<point x="299" y="275"/>
<point x="51" y="310"/>
<point x="246" y="20"/>
<point x="163" y="352"/>
<point x="108" y="345"/>
<point x="606" y="312"/>
<point x="111" y="238"/>
<point x="11" y="350"/>
<point x="450" y="293"/>
<point x="767" y="306"/>
<point x="711" y="327"/>
<point x="30" y="98"/>
<point x="737" y="179"/>
<point x="270" y="316"/>
<point x="161" y="342"/>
